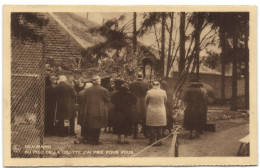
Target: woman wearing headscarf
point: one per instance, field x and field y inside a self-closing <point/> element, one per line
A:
<point x="155" y="100"/>
<point x="123" y="101"/>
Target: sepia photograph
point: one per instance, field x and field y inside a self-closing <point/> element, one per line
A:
<point x="166" y="84"/>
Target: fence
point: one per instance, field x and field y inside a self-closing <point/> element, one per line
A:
<point x="27" y="98"/>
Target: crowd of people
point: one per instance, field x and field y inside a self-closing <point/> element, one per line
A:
<point x="119" y="109"/>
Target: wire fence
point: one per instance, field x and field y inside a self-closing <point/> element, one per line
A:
<point x="27" y="98"/>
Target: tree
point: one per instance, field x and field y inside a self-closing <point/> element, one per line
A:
<point x="182" y="42"/>
<point x="224" y="23"/>
<point x="199" y="22"/>
<point x="169" y="47"/>
<point x="223" y="43"/>
<point x="115" y="38"/>
<point x="234" y="72"/>
<point x="162" y="58"/>
<point x="246" y="61"/>
<point x="28" y="26"/>
<point x="134" y="33"/>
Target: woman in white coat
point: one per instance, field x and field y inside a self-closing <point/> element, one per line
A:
<point x="156" y="113"/>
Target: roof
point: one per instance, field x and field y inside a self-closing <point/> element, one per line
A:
<point x="77" y="27"/>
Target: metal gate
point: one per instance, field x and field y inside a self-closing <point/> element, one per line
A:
<point x="27" y="98"/>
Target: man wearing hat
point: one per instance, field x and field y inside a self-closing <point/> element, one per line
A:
<point x="156" y="113"/>
<point x="66" y="96"/>
<point x="96" y="98"/>
<point x="139" y="89"/>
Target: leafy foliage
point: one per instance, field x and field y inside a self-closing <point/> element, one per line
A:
<point x="150" y="19"/>
<point x="115" y="39"/>
<point x="211" y="60"/>
<point x="28" y="26"/>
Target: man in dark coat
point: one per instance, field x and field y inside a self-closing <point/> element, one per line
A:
<point x="96" y="117"/>
<point x="50" y="107"/>
<point x="195" y="102"/>
<point x="81" y="110"/>
<point x="139" y="89"/>
<point x="65" y="106"/>
<point x="123" y="101"/>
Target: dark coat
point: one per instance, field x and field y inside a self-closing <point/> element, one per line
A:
<point x="66" y="96"/>
<point x="81" y="109"/>
<point x="194" y="114"/>
<point x="139" y="89"/>
<point x="111" y="112"/>
<point x="123" y="101"/>
<point x="50" y="108"/>
<point x="96" y="98"/>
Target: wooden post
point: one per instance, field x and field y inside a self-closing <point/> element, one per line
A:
<point x="174" y="148"/>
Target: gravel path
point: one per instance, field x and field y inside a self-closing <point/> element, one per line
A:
<point x="223" y="142"/>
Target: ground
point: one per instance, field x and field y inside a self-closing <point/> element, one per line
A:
<point x="230" y="128"/>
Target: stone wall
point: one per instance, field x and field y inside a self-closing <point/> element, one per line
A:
<point x="215" y="82"/>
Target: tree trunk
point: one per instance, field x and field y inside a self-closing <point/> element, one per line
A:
<point x="197" y="47"/>
<point x="182" y="42"/>
<point x="163" y="43"/>
<point x="223" y="43"/>
<point x="135" y="55"/>
<point x="170" y="47"/>
<point x="134" y="33"/>
<point x="246" y="70"/>
<point x="234" y="73"/>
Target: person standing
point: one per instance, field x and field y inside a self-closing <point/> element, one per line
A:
<point x="111" y="92"/>
<point x="156" y="113"/>
<point x="96" y="98"/>
<point x="79" y="85"/>
<point x="139" y="89"/>
<point x="81" y="110"/>
<point x="50" y="107"/>
<point x="65" y="107"/>
<point x="123" y="101"/>
<point x="195" y="108"/>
